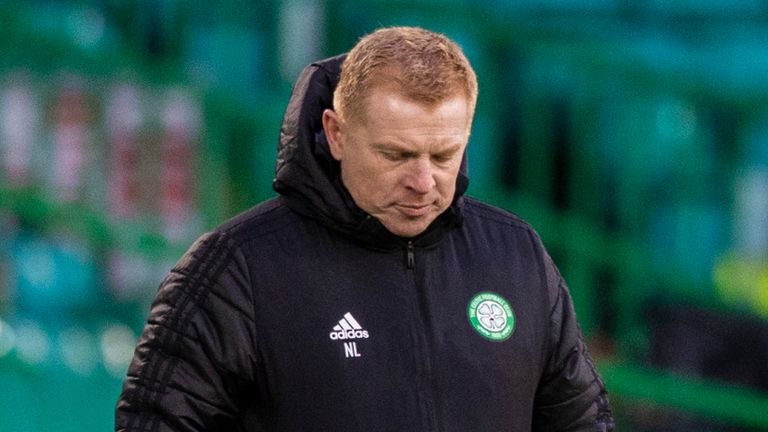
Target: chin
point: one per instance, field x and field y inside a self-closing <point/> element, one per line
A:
<point x="408" y="230"/>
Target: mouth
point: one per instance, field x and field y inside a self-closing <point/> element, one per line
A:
<point x="414" y="211"/>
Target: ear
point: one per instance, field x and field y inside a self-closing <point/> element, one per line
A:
<point x="332" y="128"/>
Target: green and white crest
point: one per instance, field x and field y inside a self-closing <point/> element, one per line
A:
<point x="491" y="316"/>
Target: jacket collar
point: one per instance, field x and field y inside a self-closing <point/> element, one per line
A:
<point x="308" y="177"/>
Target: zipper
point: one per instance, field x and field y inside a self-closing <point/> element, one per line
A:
<point x="410" y="258"/>
<point x="425" y="393"/>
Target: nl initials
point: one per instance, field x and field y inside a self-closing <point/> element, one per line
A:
<point x="350" y="349"/>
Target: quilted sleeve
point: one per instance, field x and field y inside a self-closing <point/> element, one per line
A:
<point x="195" y="358"/>
<point x="571" y="395"/>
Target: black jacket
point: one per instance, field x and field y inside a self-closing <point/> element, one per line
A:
<point x="306" y="314"/>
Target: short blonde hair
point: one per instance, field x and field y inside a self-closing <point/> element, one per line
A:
<point x="421" y="65"/>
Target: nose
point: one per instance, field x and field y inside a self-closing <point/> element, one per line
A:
<point x="421" y="178"/>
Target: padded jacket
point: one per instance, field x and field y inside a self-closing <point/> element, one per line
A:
<point x="306" y="314"/>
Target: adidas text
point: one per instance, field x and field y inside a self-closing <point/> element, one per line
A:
<point x="349" y="334"/>
<point x="348" y="328"/>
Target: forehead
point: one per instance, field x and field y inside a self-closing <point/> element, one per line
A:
<point x="386" y="108"/>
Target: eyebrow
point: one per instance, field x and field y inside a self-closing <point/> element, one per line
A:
<point x="392" y="146"/>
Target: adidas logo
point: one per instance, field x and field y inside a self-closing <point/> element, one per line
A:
<point x="348" y="328"/>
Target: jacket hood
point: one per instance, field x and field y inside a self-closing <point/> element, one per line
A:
<point x="308" y="177"/>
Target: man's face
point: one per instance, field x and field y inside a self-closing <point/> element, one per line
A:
<point x="400" y="159"/>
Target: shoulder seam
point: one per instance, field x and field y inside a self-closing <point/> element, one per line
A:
<point x="495" y="214"/>
<point x="250" y="227"/>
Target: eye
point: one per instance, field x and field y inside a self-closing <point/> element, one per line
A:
<point x="398" y="156"/>
<point x="443" y="157"/>
<point x="392" y="156"/>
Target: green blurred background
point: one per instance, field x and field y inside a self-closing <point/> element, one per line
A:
<point x="632" y="135"/>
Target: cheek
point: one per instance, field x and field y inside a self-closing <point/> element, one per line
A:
<point x="446" y="182"/>
<point x="385" y="182"/>
<point x="375" y="181"/>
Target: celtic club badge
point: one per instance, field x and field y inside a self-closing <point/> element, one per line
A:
<point x="491" y="316"/>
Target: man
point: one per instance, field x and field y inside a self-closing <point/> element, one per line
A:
<point x="371" y="295"/>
